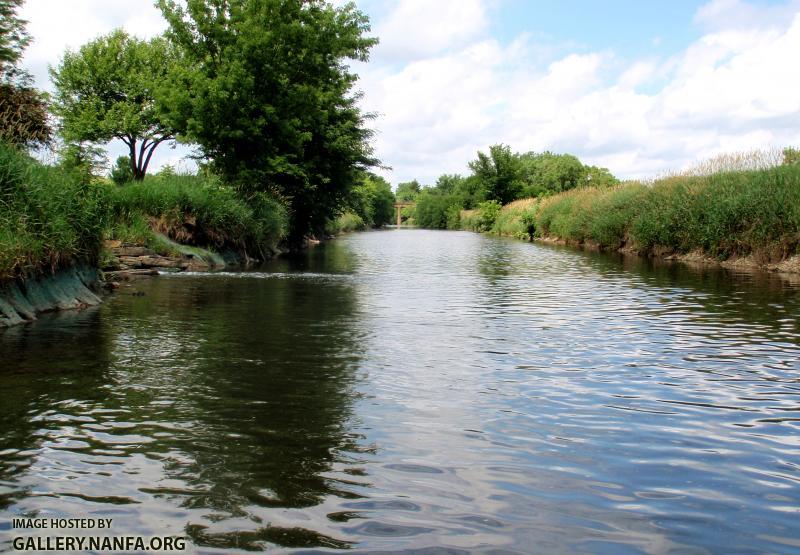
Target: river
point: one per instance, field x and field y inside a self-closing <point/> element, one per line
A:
<point x="411" y="390"/>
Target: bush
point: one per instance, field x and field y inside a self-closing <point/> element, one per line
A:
<point x="515" y="219"/>
<point x="345" y="223"/>
<point x="489" y="210"/>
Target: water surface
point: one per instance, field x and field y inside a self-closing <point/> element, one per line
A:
<point x="418" y="390"/>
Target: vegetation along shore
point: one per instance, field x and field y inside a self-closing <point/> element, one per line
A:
<point x="283" y="157"/>
<point x="735" y="210"/>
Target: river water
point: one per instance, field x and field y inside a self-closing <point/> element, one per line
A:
<point x="417" y="390"/>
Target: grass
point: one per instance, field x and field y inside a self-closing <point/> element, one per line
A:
<point x="345" y="223"/>
<point x="47" y="219"/>
<point x="732" y="213"/>
<point x="515" y="219"/>
<point x="50" y="218"/>
<point x="196" y="211"/>
<point x="716" y="208"/>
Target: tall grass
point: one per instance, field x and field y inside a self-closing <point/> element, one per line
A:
<point x="345" y="223"/>
<point x="736" y="212"/>
<point x="516" y="219"/>
<point x="198" y="211"/>
<point x="723" y="214"/>
<point x="48" y="219"/>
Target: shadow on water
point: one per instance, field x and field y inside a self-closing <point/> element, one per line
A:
<point x="223" y="402"/>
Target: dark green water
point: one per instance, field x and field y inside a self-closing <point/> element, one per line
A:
<point x="411" y="390"/>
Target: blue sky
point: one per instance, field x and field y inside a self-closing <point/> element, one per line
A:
<point x="638" y="87"/>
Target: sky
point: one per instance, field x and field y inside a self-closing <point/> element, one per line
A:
<point x="638" y="87"/>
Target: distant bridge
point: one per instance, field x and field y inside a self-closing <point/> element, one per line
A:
<point x="398" y="208"/>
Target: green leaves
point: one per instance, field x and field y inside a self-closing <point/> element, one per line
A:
<point x="267" y="95"/>
<point x="115" y="87"/>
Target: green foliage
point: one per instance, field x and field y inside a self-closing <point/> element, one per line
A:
<point x="470" y="219"/>
<point x="23" y="109"/>
<point x="373" y="200"/>
<point x="107" y="90"/>
<point x="489" y="210"/>
<point x="48" y="218"/>
<point x="791" y="156"/>
<point x="453" y="215"/>
<point x="516" y="219"/>
<point x="14" y="38"/>
<point x="549" y="173"/>
<point x="527" y="221"/>
<point x="499" y="174"/>
<point x="725" y="214"/>
<point x="597" y="177"/>
<point x="121" y="172"/>
<point x="201" y="212"/>
<point x="267" y="94"/>
<point x="434" y="209"/>
<point x="344" y="223"/>
<point x="408" y="191"/>
<point x="83" y="161"/>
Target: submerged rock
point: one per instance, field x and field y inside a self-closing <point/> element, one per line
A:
<point x="70" y="288"/>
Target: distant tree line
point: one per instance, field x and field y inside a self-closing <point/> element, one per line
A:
<point x="498" y="177"/>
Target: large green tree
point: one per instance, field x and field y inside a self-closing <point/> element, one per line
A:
<point x="107" y="90"/>
<point x="269" y="98"/>
<point x="408" y="191"/>
<point x="499" y="173"/>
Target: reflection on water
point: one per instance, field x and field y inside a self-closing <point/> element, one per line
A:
<point x="410" y="389"/>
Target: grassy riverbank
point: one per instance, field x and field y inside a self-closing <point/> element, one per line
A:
<point x="50" y="218"/>
<point x="726" y="215"/>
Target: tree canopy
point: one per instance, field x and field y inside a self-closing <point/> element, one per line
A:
<point x="269" y="98"/>
<point x="107" y="90"/>
<point x="23" y="109"/>
<point x="14" y="38"/>
<point x="408" y="191"/>
<point x="499" y="173"/>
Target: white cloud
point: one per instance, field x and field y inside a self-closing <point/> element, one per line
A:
<point x="445" y="87"/>
<point x="58" y="25"/>
<point x="420" y="28"/>
<point x="735" y="88"/>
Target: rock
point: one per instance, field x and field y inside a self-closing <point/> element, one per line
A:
<point x="69" y="288"/>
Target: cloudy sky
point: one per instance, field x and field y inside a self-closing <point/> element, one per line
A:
<point x="638" y="87"/>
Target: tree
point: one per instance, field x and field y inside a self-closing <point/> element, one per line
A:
<point x="122" y="173"/>
<point x="408" y="191"/>
<point x="23" y="109"/>
<point x="448" y="184"/>
<point x="85" y="161"/>
<point x="107" y="90"/>
<point x="548" y="173"/>
<point x="499" y="174"/>
<point x="382" y="200"/>
<point x="268" y="96"/>
<point x="598" y="177"/>
<point x="373" y="200"/>
<point x="23" y="115"/>
<point x="14" y="38"/>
